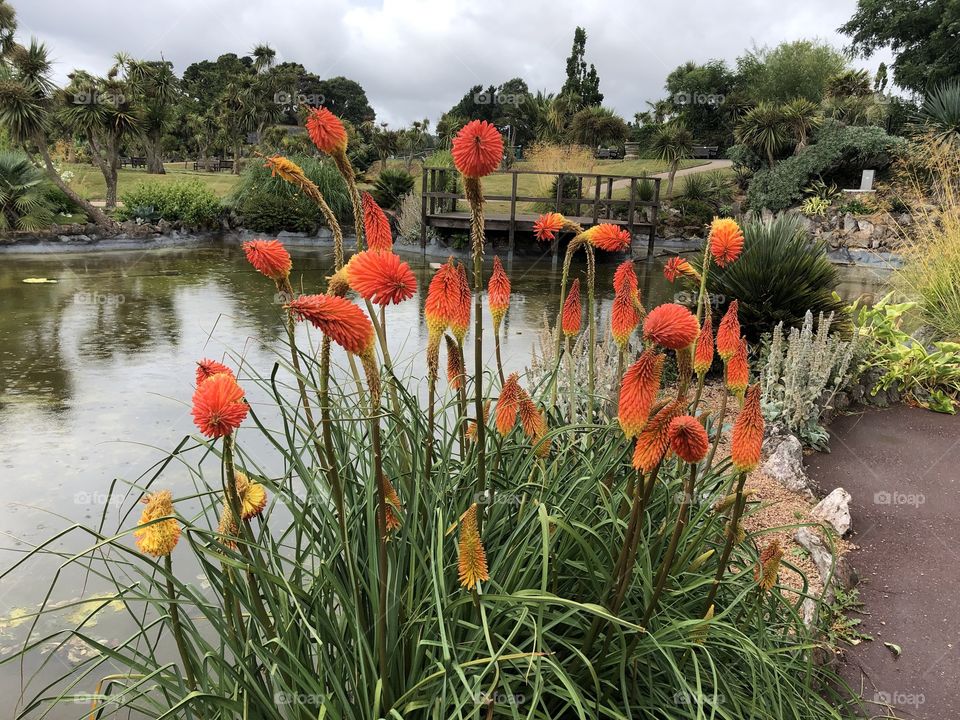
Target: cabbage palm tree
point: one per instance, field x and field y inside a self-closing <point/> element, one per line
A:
<point x="26" y="108"/>
<point x="764" y="130"/>
<point x="801" y="116"/>
<point x="24" y="194"/>
<point x="672" y="143"/>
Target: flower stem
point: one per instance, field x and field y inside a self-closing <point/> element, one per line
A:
<point x="716" y="440"/>
<point x="731" y="533"/>
<point x="177" y="627"/>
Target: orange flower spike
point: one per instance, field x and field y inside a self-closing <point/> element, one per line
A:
<point x="508" y="405"/>
<point x="455" y="367"/>
<point x="638" y="390"/>
<point x="159" y="538"/>
<point x="498" y="293"/>
<point x="726" y="241"/>
<point x="531" y="419"/>
<point x="338" y="318"/>
<point x="767" y="571"/>
<point x="728" y="333"/>
<point x="460" y="317"/>
<point x="703" y="354"/>
<point x="671" y="326"/>
<point x="688" y="439"/>
<point x="393" y="504"/>
<point x="738" y="370"/>
<point x="477" y="149"/>
<point x="219" y="406"/>
<point x="442" y="297"/>
<point x="376" y="226"/>
<point x="269" y="257"/>
<point x="608" y="237"/>
<point x="207" y="368"/>
<point x="548" y="226"/>
<point x="380" y="277"/>
<point x="625" y="279"/>
<point x="472" y="564"/>
<point x="747" y="434"/>
<point x="472" y="426"/>
<point x="677" y="266"/>
<point x="326" y="131"/>
<point x="654" y="441"/>
<point x="572" y="314"/>
<point x="624" y="318"/>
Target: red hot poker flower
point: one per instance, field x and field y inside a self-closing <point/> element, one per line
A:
<point x="726" y="241"/>
<point x="375" y="225"/>
<point x="498" y="293"/>
<point x="548" y="226"/>
<point x="381" y="277"/>
<point x="572" y="311"/>
<point x="269" y="257"/>
<point x="443" y="296"/>
<point x="688" y="439"/>
<point x="477" y="149"/>
<point x="609" y="237"/>
<point x="677" y="266"/>
<point x="508" y="404"/>
<point x="747" y="435"/>
<point x="624" y="318"/>
<point x="638" y="390"/>
<point x="472" y="561"/>
<point x="625" y="277"/>
<point x="460" y="319"/>
<point x="326" y="131"/>
<point x="738" y="370"/>
<point x="218" y="405"/>
<point x="338" y="318"/>
<point x="653" y="442"/>
<point x="207" y="368"/>
<point x="671" y="326"/>
<point x="728" y="334"/>
<point x="703" y="354"/>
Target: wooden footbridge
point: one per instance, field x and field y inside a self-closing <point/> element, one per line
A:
<point x="595" y="199"/>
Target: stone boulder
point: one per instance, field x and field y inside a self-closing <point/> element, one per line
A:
<point x="834" y="510"/>
<point x="784" y="463"/>
<point x="835" y="573"/>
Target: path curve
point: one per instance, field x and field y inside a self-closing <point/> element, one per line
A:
<point x="706" y="167"/>
<point x="902" y="467"/>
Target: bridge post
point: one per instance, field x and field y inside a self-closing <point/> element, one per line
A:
<point x="513" y="220"/>
<point x="423" y="211"/>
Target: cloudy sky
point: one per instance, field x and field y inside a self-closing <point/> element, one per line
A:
<point x="416" y="58"/>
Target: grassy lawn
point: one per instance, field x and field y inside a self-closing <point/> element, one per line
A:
<point x="88" y="180"/>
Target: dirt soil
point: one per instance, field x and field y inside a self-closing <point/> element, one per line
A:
<point x="901" y="466"/>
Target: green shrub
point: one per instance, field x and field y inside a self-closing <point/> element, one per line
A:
<point x="839" y="151"/>
<point x="694" y="212"/>
<point x="189" y="201"/>
<point x="270" y="205"/>
<point x="391" y="186"/>
<point x="571" y="191"/>
<point x="744" y="157"/>
<point x="25" y="194"/>
<point x="815" y="206"/>
<point x="779" y="277"/>
<point x="711" y="188"/>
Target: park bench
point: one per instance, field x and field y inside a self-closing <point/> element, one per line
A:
<point x="705" y="152"/>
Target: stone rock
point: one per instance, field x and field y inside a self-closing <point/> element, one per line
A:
<point x="834" y="510"/>
<point x="784" y="463"/>
<point x="767" y="215"/>
<point x="905" y="219"/>
<point x="866" y="226"/>
<point x="849" y="223"/>
<point x="859" y="239"/>
<point x="163" y="227"/>
<point x="835" y="574"/>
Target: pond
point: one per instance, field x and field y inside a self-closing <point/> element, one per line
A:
<point x="98" y="371"/>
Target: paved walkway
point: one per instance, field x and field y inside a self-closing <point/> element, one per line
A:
<point x="902" y="468"/>
<point x="706" y="167"/>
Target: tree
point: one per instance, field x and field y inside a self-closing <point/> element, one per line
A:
<point x="921" y="33"/>
<point x="155" y="89"/>
<point x="582" y="81"/>
<point x="263" y="57"/>
<point x="697" y="95"/>
<point x="26" y="106"/>
<point x="764" y="130"/>
<point x="346" y="98"/>
<point x="801" y="117"/>
<point x="594" y="126"/>
<point x="792" y="69"/>
<point x="672" y="143"/>
<point x="24" y="197"/>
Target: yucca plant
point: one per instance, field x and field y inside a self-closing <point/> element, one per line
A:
<point x="25" y="202"/>
<point x="781" y="275"/>
<point x="940" y="112"/>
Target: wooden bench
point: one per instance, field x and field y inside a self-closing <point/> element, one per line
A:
<point x="705" y="152"/>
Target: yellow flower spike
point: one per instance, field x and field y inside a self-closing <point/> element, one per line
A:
<point x="253" y="496"/>
<point x="161" y="537"/>
<point x="767" y="570"/>
<point x="473" y="559"/>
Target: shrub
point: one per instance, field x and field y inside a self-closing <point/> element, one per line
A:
<point x="928" y="377"/>
<point x="802" y="373"/>
<point x="571" y="191"/>
<point x="712" y="188"/>
<point x="839" y="151"/>
<point x="815" y="206"/>
<point x="269" y="205"/>
<point x="25" y="194"/>
<point x="693" y="212"/>
<point x="391" y="186"/>
<point x="189" y="201"/>
<point x="743" y="156"/>
<point x="779" y="277"/>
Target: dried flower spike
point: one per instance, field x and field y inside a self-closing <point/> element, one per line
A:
<point x="472" y="563"/>
<point x="159" y="538"/>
